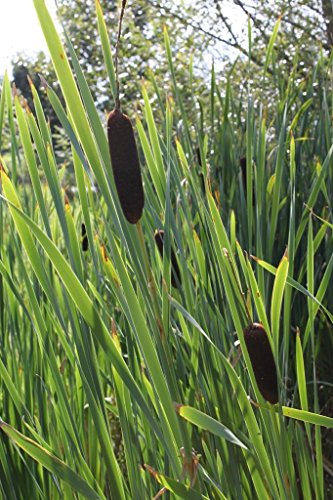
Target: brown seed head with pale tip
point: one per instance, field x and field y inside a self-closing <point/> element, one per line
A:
<point x="125" y="165"/>
<point x="262" y="361"/>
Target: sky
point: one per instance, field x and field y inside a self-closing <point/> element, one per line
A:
<point x="20" y="30"/>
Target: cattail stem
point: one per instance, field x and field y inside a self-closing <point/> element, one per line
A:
<point x="122" y="11"/>
<point x="150" y="279"/>
<point x="241" y="293"/>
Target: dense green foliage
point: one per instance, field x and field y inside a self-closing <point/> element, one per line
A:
<point x="117" y="384"/>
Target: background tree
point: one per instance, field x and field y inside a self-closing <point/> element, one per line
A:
<point x="216" y="28"/>
<point x="306" y="25"/>
<point x="142" y="47"/>
<point x="216" y="25"/>
<point x="142" y="56"/>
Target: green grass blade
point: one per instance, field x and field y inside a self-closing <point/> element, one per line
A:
<point x="50" y="462"/>
<point x="208" y="423"/>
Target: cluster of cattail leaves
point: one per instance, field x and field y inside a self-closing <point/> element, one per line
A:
<point x="115" y="383"/>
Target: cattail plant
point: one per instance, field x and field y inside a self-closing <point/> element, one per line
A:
<point x="262" y="360"/>
<point x="175" y="272"/>
<point x="124" y="154"/>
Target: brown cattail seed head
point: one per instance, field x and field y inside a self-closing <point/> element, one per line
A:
<point x="201" y="175"/>
<point x="262" y="360"/>
<point x="199" y="156"/>
<point x="85" y="243"/>
<point x="175" y="273"/>
<point x="242" y="163"/>
<point x="125" y="165"/>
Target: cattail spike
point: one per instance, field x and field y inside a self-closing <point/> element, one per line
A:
<point x="85" y="243"/>
<point x="175" y="272"/>
<point x="242" y="163"/>
<point x="125" y="165"/>
<point x="262" y="361"/>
